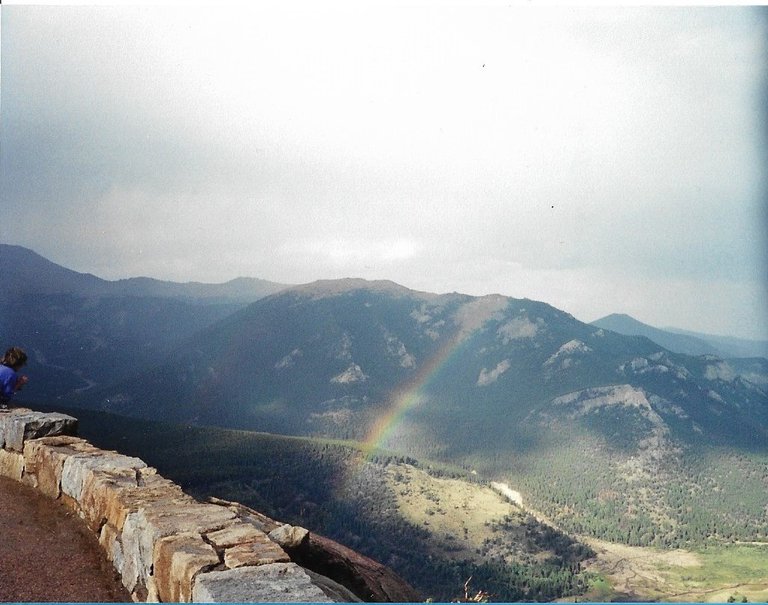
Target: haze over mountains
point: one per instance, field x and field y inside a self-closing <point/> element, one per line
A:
<point x="332" y="357"/>
<point x="26" y="272"/>
<point x="683" y="341"/>
<point x="82" y="331"/>
<point x="572" y="414"/>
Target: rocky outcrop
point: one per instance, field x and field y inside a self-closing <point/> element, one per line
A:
<point x="369" y="579"/>
<point x="169" y="547"/>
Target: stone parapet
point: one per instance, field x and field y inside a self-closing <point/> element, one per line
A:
<point x="166" y="545"/>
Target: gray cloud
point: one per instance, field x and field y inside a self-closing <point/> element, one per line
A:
<point x="602" y="160"/>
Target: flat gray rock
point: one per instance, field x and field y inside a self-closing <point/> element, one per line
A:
<point x="271" y="583"/>
<point x="18" y="425"/>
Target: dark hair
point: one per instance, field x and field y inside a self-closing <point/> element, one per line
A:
<point x="14" y="358"/>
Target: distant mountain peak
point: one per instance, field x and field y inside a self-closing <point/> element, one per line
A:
<point x="24" y="270"/>
<point x="682" y="341"/>
<point x="620" y="317"/>
<point x="333" y="287"/>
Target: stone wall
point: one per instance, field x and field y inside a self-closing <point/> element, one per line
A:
<point x="166" y="545"/>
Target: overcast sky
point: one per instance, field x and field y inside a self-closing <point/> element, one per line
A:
<point x="603" y="160"/>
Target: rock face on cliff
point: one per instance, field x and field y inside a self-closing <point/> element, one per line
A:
<point x="169" y="547"/>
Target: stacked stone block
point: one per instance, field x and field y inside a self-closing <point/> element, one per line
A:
<point x="165" y="545"/>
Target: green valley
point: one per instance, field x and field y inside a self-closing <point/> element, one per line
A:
<point x="438" y="525"/>
<point x="383" y="414"/>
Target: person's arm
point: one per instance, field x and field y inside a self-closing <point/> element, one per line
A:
<point x="8" y="386"/>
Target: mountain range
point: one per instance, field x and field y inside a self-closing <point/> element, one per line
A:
<point x="26" y="272"/>
<point x="610" y="435"/>
<point x="82" y="331"/>
<point x="334" y="358"/>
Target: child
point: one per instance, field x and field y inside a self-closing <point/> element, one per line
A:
<point x="10" y="382"/>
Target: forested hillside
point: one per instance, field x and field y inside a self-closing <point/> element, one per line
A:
<point x="329" y="487"/>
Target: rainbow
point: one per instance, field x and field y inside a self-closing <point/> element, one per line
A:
<point x="409" y="395"/>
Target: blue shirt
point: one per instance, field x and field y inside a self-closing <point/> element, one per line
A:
<point x="8" y="380"/>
